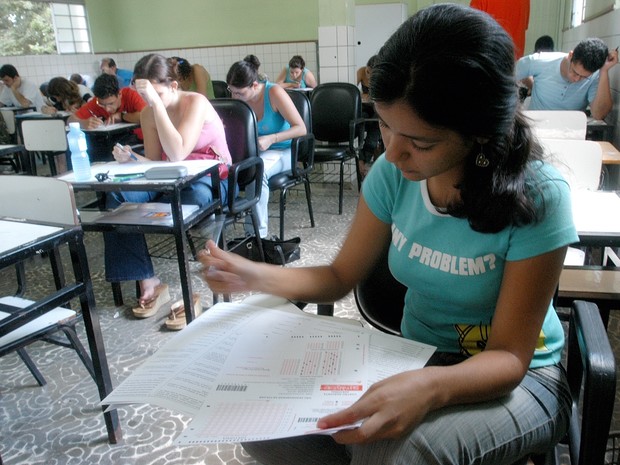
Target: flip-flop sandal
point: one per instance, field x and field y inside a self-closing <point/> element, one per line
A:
<point x="151" y="307"/>
<point x="176" y="320"/>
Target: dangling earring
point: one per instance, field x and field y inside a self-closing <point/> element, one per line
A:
<point x="481" y="160"/>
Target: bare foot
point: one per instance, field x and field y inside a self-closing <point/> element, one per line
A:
<point x="147" y="289"/>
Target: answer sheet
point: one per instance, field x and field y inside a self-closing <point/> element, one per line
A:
<point x="247" y="373"/>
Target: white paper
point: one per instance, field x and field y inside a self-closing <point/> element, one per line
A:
<point x="596" y="211"/>
<point x="248" y="373"/>
<point x="110" y="127"/>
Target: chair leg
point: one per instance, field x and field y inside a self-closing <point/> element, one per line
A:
<point x="282" y="209"/>
<point x="190" y="242"/>
<point x="341" y="188"/>
<point x="117" y="293"/>
<point x="254" y="219"/>
<point x="20" y="273"/>
<point x="79" y="349"/>
<point x="31" y="366"/>
<point x="51" y="159"/>
<point x="309" y="200"/>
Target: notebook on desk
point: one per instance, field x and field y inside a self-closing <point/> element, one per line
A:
<point x="152" y="213"/>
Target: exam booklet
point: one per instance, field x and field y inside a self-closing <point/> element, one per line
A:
<point x="148" y="213"/>
<point x="246" y="373"/>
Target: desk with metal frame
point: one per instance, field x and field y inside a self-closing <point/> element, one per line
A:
<point x="172" y="187"/>
<point x="50" y="243"/>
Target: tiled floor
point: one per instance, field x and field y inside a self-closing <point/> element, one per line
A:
<point x="60" y="423"/>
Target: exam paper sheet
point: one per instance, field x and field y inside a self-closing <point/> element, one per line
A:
<point x="248" y="373"/>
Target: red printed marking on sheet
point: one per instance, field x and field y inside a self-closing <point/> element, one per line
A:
<point x="341" y="387"/>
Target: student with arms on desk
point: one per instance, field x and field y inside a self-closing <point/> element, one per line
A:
<point x="177" y="125"/>
<point x="18" y="92"/>
<point x="477" y="225"/>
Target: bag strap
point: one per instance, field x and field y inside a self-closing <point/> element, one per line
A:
<point x="280" y="252"/>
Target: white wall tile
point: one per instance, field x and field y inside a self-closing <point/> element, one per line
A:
<point x="328" y="56"/>
<point x="328" y="36"/>
<point x="329" y="74"/>
<point x="342" y="36"/>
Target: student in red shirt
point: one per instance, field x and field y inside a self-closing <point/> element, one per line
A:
<point x="110" y="105"/>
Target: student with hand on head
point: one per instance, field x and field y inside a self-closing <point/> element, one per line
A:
<point x="573" y="80"/>
<point x="18" y="92"/>
<point x="296" y="75"/>
<point x="477" y="225"/>
<point x="194" y="78"/>
<point x="278" y="123"/>
<point x="177" y="125"/>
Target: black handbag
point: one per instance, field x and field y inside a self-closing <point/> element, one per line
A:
<point x="277" y="251"/>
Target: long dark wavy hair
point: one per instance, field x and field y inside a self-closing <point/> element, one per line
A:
<point x="454" y="66"/>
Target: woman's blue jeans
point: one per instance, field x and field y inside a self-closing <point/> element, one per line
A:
<point x="126" y="254"/>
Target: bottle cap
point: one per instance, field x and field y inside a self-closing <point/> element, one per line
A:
<point x="74" y="125"/>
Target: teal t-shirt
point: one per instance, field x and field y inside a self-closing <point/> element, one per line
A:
<point x="273" y="121"/>
<point x="453" y="273"/>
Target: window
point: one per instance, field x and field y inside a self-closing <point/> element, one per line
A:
<point x="585" y="10"/>
<point x="71" y="28"/>
<point x="43" y="27"/>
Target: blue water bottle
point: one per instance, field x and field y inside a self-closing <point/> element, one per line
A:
<point x="79" y="153"/>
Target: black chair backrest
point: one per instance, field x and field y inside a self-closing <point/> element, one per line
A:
<point x="334" y="105"/>
<point x="242" y="138"/>
<point x="220" y="89"/>
<point x="380" y="298"/>
<point x="302" y="103"/>
<point x="240" y="127"/>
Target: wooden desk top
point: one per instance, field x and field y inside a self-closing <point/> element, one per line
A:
<point x="611" y="155"/>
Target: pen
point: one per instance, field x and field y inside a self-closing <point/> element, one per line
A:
<point x="126" y="177"/>
<point x="133" y="157"/>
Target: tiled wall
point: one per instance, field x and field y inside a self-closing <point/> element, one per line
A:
<point x="338" y="53"/>
<point x="217" y="60"/>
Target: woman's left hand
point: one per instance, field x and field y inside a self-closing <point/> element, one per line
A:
<point x="264" y="142"/>
<point x="147" y="91"/>
<point x="389" y="409"/>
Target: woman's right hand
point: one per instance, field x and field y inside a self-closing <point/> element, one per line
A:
<point x="227" y="272"/>
<point x="147" y="91"/>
